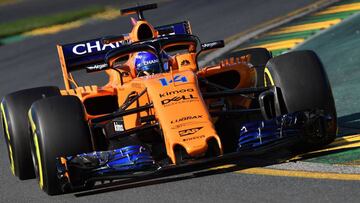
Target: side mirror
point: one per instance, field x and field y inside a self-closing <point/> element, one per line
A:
<point x="212" y="45"/>
<point x="209" y="46"/>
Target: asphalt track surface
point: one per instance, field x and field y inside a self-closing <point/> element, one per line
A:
<point x="32" y="8"/>
<point x="33" y="62"/>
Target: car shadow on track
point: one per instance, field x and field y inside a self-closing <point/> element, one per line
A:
<point x="190" y="172"/>
<point x="349" y="125"/>
<point x="224" y="166"/>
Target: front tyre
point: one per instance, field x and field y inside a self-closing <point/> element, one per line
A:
<point x="58" y="129"/>
<point x="14" y="108"/>
<point x="304" y="85"/>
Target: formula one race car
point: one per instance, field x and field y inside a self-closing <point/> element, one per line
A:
<point x="159" y="109"/>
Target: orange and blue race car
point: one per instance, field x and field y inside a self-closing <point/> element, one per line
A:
<point x="160" y="111"/>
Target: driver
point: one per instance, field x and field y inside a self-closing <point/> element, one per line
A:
<point x="147" y="63"/>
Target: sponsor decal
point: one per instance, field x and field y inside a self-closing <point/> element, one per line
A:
<point x="186" y="118"/>
<point x="178" y="99"/>
<point x="118" y="126"/>
<point x="177" y="78"/>
<point x="145" y="59"/>
<point x="113" y="127"/>
<point x="193" y="138"/>
<point x="182" y="125"/>
<point x="150" y="76"/>
<point x="209" y="45"/>
<point x="97" y="67"/>
<point x="190" y="131"/>
<point x="96" y="46"/>
<point x="173" y="92"/>
<point x="149" y="62"/>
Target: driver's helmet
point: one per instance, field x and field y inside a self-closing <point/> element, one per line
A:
<point x="147" y="63"/>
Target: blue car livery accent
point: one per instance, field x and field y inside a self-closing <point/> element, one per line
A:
<point x="130" y="158"/>
<point x="259" y="133"/>
<point x="177" y="78"/>
<point x="87" y="53"/>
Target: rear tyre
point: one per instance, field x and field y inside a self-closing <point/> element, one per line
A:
<point x="58" y="128"/>
<point x="14" y="109"/>
<point x="304" y="85"/>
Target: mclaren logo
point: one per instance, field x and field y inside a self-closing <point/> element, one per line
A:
<point x="189" y="131"/>
<point x="185" y="62"/>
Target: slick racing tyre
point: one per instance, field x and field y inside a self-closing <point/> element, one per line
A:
<point x="304" y="85"/>
<point x="58" y="129"/>
<point x="258" y="58"/>
<point x="14" y="109"/>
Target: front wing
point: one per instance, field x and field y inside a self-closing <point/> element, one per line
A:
<point x="135" y="163"/>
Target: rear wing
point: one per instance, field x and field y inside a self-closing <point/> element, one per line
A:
<point x="91" y="53"/>
<point x="76" y="56"/>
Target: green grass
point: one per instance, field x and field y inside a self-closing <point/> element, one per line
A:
<point x="350" y="156"/>
<point x="6" y="1"/>
<point x="24" y="25"/>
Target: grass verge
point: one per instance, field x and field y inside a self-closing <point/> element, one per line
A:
<point x="3" y="2"/>
<point x="24" y="25"/>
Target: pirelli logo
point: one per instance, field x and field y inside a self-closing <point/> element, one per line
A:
<point x="190" y="131"/>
